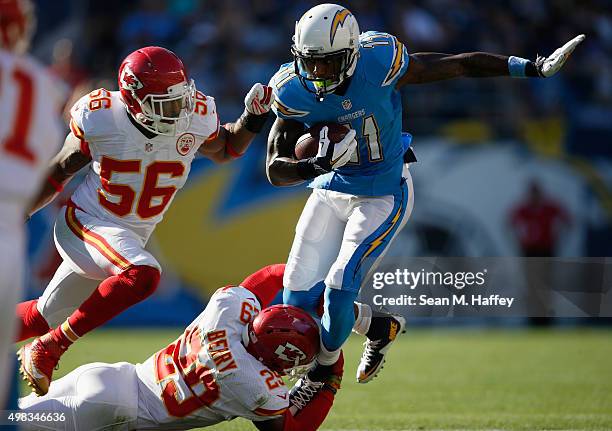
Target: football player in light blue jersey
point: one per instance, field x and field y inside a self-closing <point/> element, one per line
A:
<point x="362" y="191"/>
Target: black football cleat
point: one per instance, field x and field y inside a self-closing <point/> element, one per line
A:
<point x="383" y="332"/>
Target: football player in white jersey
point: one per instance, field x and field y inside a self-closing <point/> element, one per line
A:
<point x="139" y="143"/>
<point x="30" y="133"/>
<point x="228" y="363"/>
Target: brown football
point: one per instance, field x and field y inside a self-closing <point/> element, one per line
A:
<point x="307" y="145"/>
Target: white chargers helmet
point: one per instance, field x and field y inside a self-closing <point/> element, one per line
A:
<point x="325" y="47"/>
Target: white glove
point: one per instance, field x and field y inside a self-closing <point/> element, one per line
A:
<point x="342" y="151"/>
<point x="259" y="99"/>
<point x="553" y="63"/>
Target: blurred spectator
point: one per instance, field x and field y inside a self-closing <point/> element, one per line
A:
<point x="63" y="63"/>
<point x="230" y="44"/>
<point x="538" y="223"/>
<point x="151" y="23"/>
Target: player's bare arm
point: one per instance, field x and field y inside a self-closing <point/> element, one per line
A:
<point x="281" y="167"/>
<point x="429" y="66"/>
<point x="63" y="166"/>
<point x="233" y="139"/>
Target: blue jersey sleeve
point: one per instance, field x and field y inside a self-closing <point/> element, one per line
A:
<point x="289" y="99"/>
<point x="386" y="57"/>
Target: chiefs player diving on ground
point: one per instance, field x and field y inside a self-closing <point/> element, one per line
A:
<point x="139" y="143"/>
<point x="228" y="363"/>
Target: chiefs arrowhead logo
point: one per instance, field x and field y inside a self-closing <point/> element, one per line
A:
<point x="290" y="353"/>
<point x="129" y="81"/>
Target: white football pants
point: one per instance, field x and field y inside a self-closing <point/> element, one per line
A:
<point x="93" y="397"/>
<point x="341" y="238"/>
<point x="93" y="250"/>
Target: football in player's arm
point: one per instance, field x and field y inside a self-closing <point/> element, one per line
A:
<point x="423" y="67"/>
<point x="362" y="188"/>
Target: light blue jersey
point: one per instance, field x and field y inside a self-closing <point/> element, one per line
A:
<point x="371" y="105"/>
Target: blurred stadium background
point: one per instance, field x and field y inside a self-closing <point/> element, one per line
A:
<point x="487" y="148"/>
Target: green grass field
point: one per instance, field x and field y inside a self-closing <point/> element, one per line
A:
<point x="443" y="379"/>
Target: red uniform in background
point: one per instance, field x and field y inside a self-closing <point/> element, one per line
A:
<point x="537" y="222"/>
<point x="30" y="133"/>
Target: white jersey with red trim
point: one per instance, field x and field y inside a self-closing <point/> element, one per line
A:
<point x="133" y="178"/>
<point x="207" y="376"/>
<point x="30" y="131"/>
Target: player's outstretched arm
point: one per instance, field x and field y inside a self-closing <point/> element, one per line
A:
<point x="71" y="158"/>
<point x="233" y="139"/>
<point x="429" y="66"/>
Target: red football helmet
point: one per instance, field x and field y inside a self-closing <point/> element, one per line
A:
<point x="17" y="24"/>
<point x="154" y="86"/>
<point x="283" y="337"/>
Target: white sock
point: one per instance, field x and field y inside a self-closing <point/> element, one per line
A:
<point x="363" y="319"/>
<point x="327" y="357"/>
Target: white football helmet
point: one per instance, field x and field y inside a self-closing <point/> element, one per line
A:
<point x="325" y="47"/>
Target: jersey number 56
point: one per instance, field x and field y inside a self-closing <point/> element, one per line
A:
<point x="127" y="195"/>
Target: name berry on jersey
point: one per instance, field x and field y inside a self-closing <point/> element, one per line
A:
<point x="207" y="375"/>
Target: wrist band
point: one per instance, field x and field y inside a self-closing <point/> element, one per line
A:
<point x="253" y="123"/>
<point x="517" y="66"/>
<point x="57" y="186"/>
